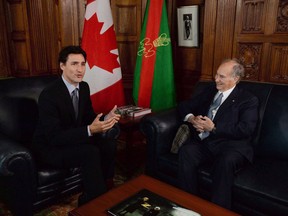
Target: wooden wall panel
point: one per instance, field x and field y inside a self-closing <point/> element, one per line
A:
<point x="278" y="63"/>
<point x="4" y="47"/>
<point x="250" y="53"/>
<point x="18" y="30"/>
<point x="53" y="41"/>
<point x="69" y="22"/>
<point x="36" y="30"/>
<point x="127" y="59"/>
<point x="256" y="11"/>
<point x="38" y="43"/>
<point x="209" y="33"/>
<point x="282" y="16"/>
<point x="127" y="17"/>
<point x="260" y="39"/>
<point x="187" y="60"/>
<point x="255" y="31"/>
<point x="224" y="31"/>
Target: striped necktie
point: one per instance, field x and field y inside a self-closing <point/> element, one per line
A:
<point x="75" y="101"/>
<point x="211" y="113"/>
<point x="213" y="107"/>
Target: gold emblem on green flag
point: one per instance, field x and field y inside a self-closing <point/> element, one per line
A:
<point x="154" y="77"/>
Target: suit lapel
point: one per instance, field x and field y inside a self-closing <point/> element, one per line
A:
<point x="227" y="103"/>
<point x="81" y="102"/>
<point x="67" y="99"/>
<point x="209" y="99"/>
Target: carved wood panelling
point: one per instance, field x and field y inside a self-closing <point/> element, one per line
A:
<point x="279" y="63"/>
<point x="250" y="56"/>
<point x="282" y="17"/>
<point x="253" y="16"/>
<point x="260" y="47"/>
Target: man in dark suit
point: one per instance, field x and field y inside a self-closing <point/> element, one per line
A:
<point x="68" y="136"/>
<point x="219" y="133"/>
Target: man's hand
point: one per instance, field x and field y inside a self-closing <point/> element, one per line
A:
<point x="201" y="123"/>
<point x="98" y="126"/>
<point x="113" y="114"/>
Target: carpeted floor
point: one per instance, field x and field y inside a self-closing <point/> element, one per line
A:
<point x="129" y="164"/>
<point x="62" y="207"/>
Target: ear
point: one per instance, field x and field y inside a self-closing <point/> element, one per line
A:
<point x="237" y="79"/>
<point x="62" y="65"/>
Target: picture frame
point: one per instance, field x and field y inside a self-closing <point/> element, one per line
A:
<point x="188" y="26"/>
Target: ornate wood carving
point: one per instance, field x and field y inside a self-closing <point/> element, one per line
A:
<point x="253" y="16"/>
<point x="279" y="63"/>
<point x="250" y="57"/>
<point x="282" y="17"/>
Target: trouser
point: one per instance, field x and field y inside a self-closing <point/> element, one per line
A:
<point x="96" y="160"/>
<point x="225" y="164"/>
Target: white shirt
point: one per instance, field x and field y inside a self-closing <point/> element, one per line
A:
<point x="225" y="96"/>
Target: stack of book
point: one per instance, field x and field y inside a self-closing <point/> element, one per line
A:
<point x="133" y="111"/>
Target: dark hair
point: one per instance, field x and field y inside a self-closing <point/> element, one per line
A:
<point x="63" y="55"/>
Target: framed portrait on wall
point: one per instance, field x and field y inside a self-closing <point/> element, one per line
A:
<point x="188" y="26"/>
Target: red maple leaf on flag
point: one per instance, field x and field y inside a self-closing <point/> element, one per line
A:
<point x="98" y="47"/>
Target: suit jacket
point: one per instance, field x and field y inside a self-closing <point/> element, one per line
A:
<point x="235" y="120"/>
<point x="57" y="126"/>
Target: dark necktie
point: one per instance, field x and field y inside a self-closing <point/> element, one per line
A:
<point x="211" y="113"/>
<point x="75" y="101"/>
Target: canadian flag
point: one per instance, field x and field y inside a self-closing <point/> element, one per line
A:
<point x="103" y="72"/>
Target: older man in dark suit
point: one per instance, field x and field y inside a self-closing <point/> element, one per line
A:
<point x="68" y="132"/>
<point x="221" y="119"/>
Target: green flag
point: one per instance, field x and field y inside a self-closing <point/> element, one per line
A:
<point x="154" y="79"/>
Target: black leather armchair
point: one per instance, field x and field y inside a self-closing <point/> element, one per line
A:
<point x="260" y="189"/>
<point x="25" y="185"/>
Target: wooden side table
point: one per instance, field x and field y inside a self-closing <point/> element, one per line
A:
<point x="131" y="153"/>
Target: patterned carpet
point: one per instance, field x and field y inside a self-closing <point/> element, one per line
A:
<point x="123" y="172"/>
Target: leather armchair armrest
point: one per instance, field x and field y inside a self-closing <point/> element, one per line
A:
<point x="113" y="133"/>
<point x="159" y="129"/>
<point x="14" y="158"/>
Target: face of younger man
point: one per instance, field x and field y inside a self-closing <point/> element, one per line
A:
<point x="74" y="68"/>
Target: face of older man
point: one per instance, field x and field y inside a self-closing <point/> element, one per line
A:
<point x="224" y="78"/>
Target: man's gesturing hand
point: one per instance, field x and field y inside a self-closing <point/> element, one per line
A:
<point x="98" y="126"/>
<point x="113" y="114"/>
